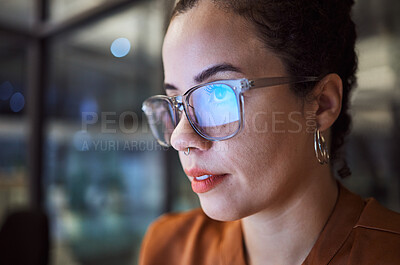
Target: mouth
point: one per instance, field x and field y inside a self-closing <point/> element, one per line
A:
<point x="203" y="181"/>
<point x="201" y="174"/>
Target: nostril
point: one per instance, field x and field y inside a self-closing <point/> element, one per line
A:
<point x="180" y="144"/>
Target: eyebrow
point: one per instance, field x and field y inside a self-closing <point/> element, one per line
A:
<point x="209" y="72"/>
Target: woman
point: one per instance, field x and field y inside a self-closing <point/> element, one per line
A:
<point x="257" y="108"/>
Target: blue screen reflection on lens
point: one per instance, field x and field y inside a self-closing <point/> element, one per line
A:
<point x="215" y="105"/>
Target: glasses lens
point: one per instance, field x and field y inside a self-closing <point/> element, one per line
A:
<point x="214" y="110"/>
<point x="161" y="119"/>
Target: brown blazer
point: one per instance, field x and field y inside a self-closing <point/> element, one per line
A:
<point x="358" y="232"/>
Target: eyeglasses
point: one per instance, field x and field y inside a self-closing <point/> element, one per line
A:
<point x="215" y="110"/>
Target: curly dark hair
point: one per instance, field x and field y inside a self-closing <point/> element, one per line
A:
<point x="313" y="38"/>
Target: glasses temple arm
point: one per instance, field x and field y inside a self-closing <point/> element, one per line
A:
<point x="274" y="81"/>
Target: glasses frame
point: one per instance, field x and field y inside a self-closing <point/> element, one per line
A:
<point x="239" y="86"/>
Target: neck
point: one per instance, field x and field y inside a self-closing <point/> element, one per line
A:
<point x="287" y="234"/>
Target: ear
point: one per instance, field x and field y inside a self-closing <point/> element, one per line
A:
<point x="327" y="101"/>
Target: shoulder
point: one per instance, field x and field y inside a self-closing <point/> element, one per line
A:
<point x="176" y="238"/>
<point x="377" y="235"/>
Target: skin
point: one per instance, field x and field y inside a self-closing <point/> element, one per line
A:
<point x="275" y="184"/>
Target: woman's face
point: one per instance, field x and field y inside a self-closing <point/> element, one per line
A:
<point x="265" y="165"/>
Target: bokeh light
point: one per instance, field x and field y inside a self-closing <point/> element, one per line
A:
<point x="120" y="47"/>
<point x="89" y="105"/>
<point x="6" y="90"/>
<point x="17" y="102"/>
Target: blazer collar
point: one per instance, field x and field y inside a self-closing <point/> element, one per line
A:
<point x="344" y="217"/>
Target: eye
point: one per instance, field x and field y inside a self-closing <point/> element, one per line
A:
<point x="219" y="93"/>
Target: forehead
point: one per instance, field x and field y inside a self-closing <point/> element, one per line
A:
<point x="205" y="36"/>
<point x="207" y="22"/>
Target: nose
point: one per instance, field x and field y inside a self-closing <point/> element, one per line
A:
<point x="184" y="137"/>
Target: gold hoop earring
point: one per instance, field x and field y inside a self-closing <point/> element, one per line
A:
<point x="321" y="150"/>
<point x="187" y="152"/>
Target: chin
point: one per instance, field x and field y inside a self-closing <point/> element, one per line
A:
<point x="220" y="210"/>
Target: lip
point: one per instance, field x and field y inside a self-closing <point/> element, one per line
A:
<point x="202" y="186"/>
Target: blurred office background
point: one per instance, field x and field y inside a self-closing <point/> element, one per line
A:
<point x="69" y="67"/>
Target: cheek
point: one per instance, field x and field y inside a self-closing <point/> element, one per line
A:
<point x="273" y="110"/>
<point x="271" y="137"/>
